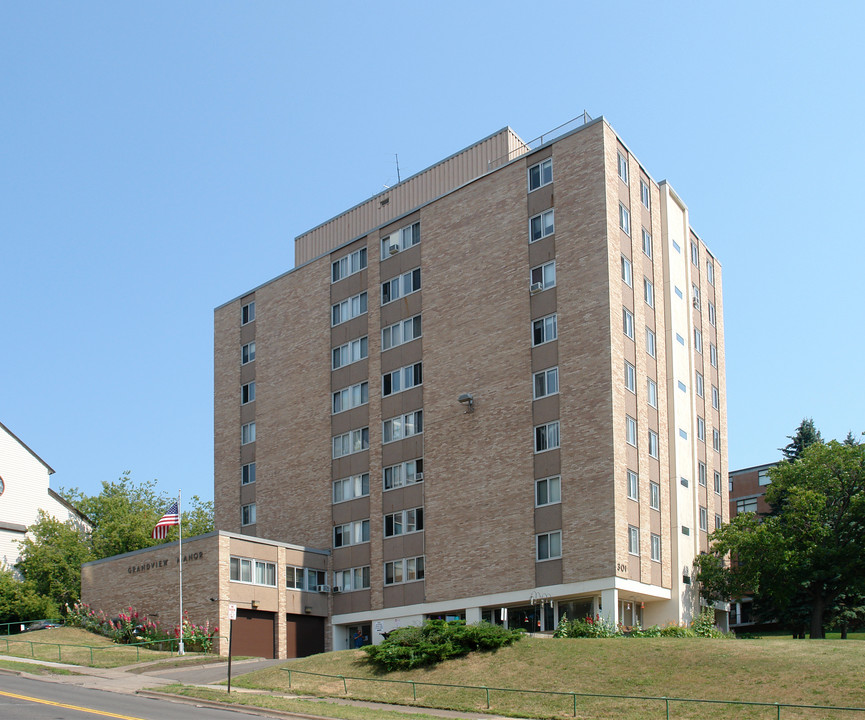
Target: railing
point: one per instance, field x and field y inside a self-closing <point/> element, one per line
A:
<point x="582" y="119"/>
<point x="573" y="696"/>
<point x="7" y="628"/>
<point x="5" y="643"/>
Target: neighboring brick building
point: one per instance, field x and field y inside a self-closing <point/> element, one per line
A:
<point x="495" y="390"/>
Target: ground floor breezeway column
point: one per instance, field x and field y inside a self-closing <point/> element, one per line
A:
<point x="610" y="605"/>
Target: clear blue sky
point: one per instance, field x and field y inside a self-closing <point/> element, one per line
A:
<point x="158" y="158"/>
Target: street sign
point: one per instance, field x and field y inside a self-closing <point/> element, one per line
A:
<point x="232" y="612"/>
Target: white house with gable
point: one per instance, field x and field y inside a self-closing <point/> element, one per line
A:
<point x="24" y="491"/>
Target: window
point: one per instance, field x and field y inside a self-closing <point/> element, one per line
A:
<point x="247" y="393"/>
<point x="402" y="427"/>
<point x="247" y="433"/>
<point x="548" y="491"/>
<point x="400" y="240"/>
<point x="400" y="286"/>
<point x="240" y="569"/>
<point x="647" y="243"/>
<point x="247" y="474"/>
<point x="542" y="225"/>
<point x="401" y="333"/>
<point x="746" y="505"/>
<point x="547" y="436"/>
<point x="683" y="481"/>
<point x="649" y="292"/>
<point x="717" y="479"/>
<point x="716" y="398"/>
<point x="630" y="377"/>
<point x="763" y="478"/>
<point x="695" y="295"/>
<point x="351" y="580"/>
<point x="628" y="323"/>
<point x="686" y="530"/>
<point x="624" y="219"/>
<point x="652" y="393"/>
<point x="247" y="353"/>
<point x="680" y="339"/>
<point x="544" y="330"/>
<point x="633" y="485"/>
<point x="683" y="434"/>
<point x="541" y="174"/>
<point x="710" y="272"/>
<point x="701" y="473"/>
<point x="633" y="540"/>
<point x="695" y="255"/>
<point x="265" y="573"/>
<point x="352" y="533"/>
<point x="350" y="488"/>
<point x="653" y="444"/>
<point x="406" y="473"/>
<point x="351" y="442"/>
<point x="348" y="265"/>
<point x="403" y="522"/>
<point x="405" y="570"/>
<point x="293" y="578"/>
<point x="716" y="439"/>
<point x="682" y="386"/>
<point x="718" y="521"/>
<point x="247" y="514"/>
<point x="678" y="292"/>
<point x="650" y="341"/>
<point x="297" y="578"/>
<point x="350" y="397"/>
<point x="347" y="309"/>
<point x="701" y="429"/>
<point x="623" y="168"/>
<point x="546" y="382"/>
<point x="403" y="379"/>
<point x="626" y="271"/>
<point x="654" y="496"/>
<point x="645" y="198"/>
<point x="713" y="355"/>
<point x="704" y="519"/>
<point x="656" y="547"/>
<point x="676" y="246"/>
<point x="350" y="352"/>
<point x="247" y="313"/>
<point x="698" y="340"/>
<point x="712" y="318"/>
<point x="549" y="545"/>
<point x="698" y="384"/>
<point x="630" y="430"/>
<point x="544" y="275"/>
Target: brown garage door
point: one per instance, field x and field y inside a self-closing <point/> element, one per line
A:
<point x="253" y="633"/>
<point x="304" y="635"/>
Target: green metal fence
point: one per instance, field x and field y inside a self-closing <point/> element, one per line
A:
<point x="664" y="703"/>
<point x="6" y="642"/>
<point x="13" y="628"/>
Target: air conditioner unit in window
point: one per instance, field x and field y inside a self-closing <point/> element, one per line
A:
<point x="536" y="287"/>
<point x="393" y="249"/>
<point x="323" y="588"/>
<point x="336" y="589"/>
<point x="697" y="303"/>
<point x="418" y="476"/>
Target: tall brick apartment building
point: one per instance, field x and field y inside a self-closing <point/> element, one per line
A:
<point x="495" y="390"/>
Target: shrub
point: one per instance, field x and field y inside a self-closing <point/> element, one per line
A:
<point x="679" y="631"/>
<point x="704" y="624"/>
<point x="588" y="627"/>
<point x="435" y="641"/>
<point x="20" y="601"/>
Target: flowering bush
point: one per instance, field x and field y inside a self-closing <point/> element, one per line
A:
<point x="588" y="627"/>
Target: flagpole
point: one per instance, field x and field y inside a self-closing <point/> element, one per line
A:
<point x="180" y="564"/>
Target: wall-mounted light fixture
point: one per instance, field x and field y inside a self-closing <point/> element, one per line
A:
<point x="254" y="604"/>
<point x="307" y="609"/>
<point x="468" y="400"/>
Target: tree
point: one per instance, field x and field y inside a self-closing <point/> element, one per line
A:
<point x="806" y="434"/>
<point x="810" y="552"/>
<point x="20" y="601"/>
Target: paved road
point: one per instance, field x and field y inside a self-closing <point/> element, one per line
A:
<point x="213" y="673"/>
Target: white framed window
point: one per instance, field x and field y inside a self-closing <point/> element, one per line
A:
<point x="265" y="573"/>
<point x="623" y="167"/>
<point x="294" y="578"/>
<point x="247" y="433"/>
<point x="630" y="377"/>
<point x="247" y="514"/>
<point x="403" y="522"/>
<point x="402" y="239"/>
<point x="763" y="478"/>
<point x="541" y="174"/>
<point x="402" y="426"/>
<point x="353" y="533"/>
<point x="298" y="578"/>
<point x="656" y="547"/>
<point x="701" y="429"/>
<point x="653" y="444"/>
<point x="701" y="473"/>
<point x="354" y="441"/>
<point x="678" y="292"/>
<point x="247" y="353"/>
<point x="543" y="275"/>
<point x="247" y="313"/>
<point x="698" y="384"/>
<point x="682" y="386"/>
<point x="349" y="353"/>
<point x="404" y="570"/>
<point x="683" y="434"/>
<point x="549" y="545"/>
<point x="654" y="496"/>
<point x="348" y="265"/>
<point x="247" y="393"/>
<point x="718" y="521"/>
<point x="240" y="569"/>
<point x="698" y="340"/>
<point x="695" y="296"/>
<point x="647" y="243"/>
<point x="704" y="519"/>
<point x="633" y="540"/>
<point x="676" y="246"/>
<point x="350" y="488"/>
<point x="403" y="379"/>
<point x="713" y="355"/>
<point x="628" y="322"/>
<point x="716" y="439"/>
<point x="351" y="579"/>
<point x="710" y="272"/>
<point x="626" y="272"/>
<point x="680" y="339"/>
<point x="404" y="473"/>
<point x="548" y="491"/>
<point x="712" y="318"/>
<point x="650" y="341"/>
<point x="400" y="333"/>
<point x="649" y="292"/>
<point x="546" y="382"/>
<point x="716" y="398"/>
<point x="652" y="393"/>
<point x="625" y="219"/>
<point x="645" y="197"/>
<point x="544" y="330"/>
<point x="717" y="481"/>
<point x="547" y="436"/>
<point x="247" y="474"/>
<point x="633" y="485"/>
<point x="400" y="286"/>
<point x="350" y="397"/>
<point x="347" y="309"/>
<point x="695" y="255"/>
<point x="630" y="430"/>
<point x="542" y="225"/>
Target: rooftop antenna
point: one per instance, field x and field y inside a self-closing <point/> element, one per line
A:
<point x="398" y="178"/>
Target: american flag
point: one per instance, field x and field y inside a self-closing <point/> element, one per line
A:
<point x="166" y="521"/>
